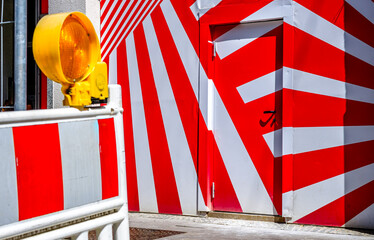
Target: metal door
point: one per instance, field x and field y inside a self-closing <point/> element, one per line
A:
<point x="247" y="117"/>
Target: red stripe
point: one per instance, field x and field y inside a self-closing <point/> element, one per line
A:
<point x="133" y="22"/>
<point x="258" y="58"/>
<point x="114" y="34"/>
<point x="225" y="198"/>
<point x="188" y="109"/>
<point x="309" y="107"/>
<point x="39" y="170"/>
<point x="185" y="100"/>
<point x="332" y="10"/>
<point x="108" y="158"/>
<point x="358" y="25"/>
<point x="325" y="60"/>
<point x="188" y="20"/>
<point x="123" y="80"/>
<point x="343" y="209"/>
<point x="344" y="16"/>
<point x="253" y="61"/>
<point x="165" y="185"/>
<point x="317" y="166"/>
<point x="109" y="20"/>
<point x="103" y="15"/>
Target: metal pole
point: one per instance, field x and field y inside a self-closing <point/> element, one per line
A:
<point x="20" y="54"/>
<point x="2" y="56"/>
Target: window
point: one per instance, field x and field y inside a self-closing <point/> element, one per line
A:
<point x="7" y="56"/>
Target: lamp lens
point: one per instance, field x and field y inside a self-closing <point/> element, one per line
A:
<point x="74" y="48"/>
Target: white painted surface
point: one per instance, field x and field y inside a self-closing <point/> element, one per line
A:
<point x="183" y="166"/>
<point x="105" y="233"/>
<point x="305" y="82"/>
<point x="81" y="236"/>
<point x="113" y="67"/>
<point x="8" y="178"/>
<point x="248" y="186"/>
<point x="365" y="7"/>
<point x="144" y="173"/>
<point x="80" y="157"/>
<point x="274" y="142"/>
<point x="186" y="51"/>
<point x="311" y="23"/>
<point x="277" y="9"/>
<point x="313" y="197"/>
<point x="200" y="7"/>
<point x="118" y="21"/>
<point x="364" y="219"/>
<point x="262" y="86"/>
<point x="242" y="35"/>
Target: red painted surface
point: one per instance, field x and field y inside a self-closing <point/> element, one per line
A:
<point x="44" y="6"/>
<point x="284" y="46"/>
<point x="123" y="80"/>
<point x="39" y="170"/>
<point x="262" y="56"/>
<point x="163" y="174"/>
<point x="108" y="158"/>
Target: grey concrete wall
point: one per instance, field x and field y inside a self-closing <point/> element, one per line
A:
<point x="89" y="7"/>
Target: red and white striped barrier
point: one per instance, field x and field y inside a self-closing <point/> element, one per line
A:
<point x="61" y="167"/>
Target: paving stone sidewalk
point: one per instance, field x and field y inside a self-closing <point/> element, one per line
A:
<point x="160" y="226"/>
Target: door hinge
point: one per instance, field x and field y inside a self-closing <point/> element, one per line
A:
<point x="213" y="190"/>
<point x="214" y="49"/>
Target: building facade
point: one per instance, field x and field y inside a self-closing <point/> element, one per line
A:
<point x="258" y="107"/>
<point x="261" y="107"/>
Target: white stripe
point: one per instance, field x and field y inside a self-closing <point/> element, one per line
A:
<point x="135" y="22"/>
<point x="207" y="4"/>
<point x="114" y="17"/>
<point x="144" y="172"/>
<point x="119" y="23"/>
<point x="244" y="177"/>
<point x="109" y="13"/>
<point x="242" y="35"/>
<point x="276" y="9"/>
<point x="81" y="168"/>
<point x="308" y="82"/>
<point x="200" y="7"/>
<point x="261" y="86"/>
<point x="287" y="204"/>
<point x="365" y="7"/>
<point x="364" y="219"/>
<point x="8" y="179"/>
<point x="197" y="12"/>
<point x="210" y="124"/>
<point x="253" y="197"/>
<point x="274" y="142"/>
<point x="306" y="139"/>
<point x="313" y="197"/>
<point x="183" y="166"/>
<point x="113" y="67"/>
<point x="104" y="6"/>
<point x="322" y="29"/>
<point x="305" y="82"/>
<point x="187" y="54"/>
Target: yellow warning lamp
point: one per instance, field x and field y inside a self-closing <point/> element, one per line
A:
<point x="67" y="50"/>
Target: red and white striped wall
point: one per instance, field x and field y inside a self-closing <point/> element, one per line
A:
<point x="47" y="168"/>
<point x="254" y="106"/>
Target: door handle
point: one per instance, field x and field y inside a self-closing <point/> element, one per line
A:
<point x="270" y="112"/>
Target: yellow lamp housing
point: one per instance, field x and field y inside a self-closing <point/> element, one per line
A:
<point x="67" y="50"/>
